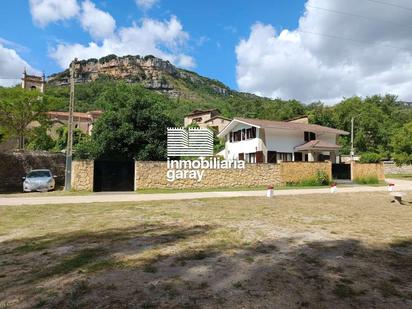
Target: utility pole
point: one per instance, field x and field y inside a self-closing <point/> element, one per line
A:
<point x="69" y="148"/>
<point x="352" y="150"/>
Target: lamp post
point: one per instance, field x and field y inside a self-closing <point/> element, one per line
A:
<point x="69" y="147"/>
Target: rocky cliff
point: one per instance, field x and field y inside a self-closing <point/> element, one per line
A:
<point x="153" y="73"/>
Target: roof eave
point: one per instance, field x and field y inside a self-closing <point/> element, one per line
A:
<point x="227" y="129"/>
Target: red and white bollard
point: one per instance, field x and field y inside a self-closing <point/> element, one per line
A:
<point x="333" y="188"/>
<point x="391" y="187"/>
<point x="269" y="192"/>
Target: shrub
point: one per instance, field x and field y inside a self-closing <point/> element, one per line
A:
<point x="148" y="57"/>
<point x="321" y="179"/>
<point x="369" y="180"/>
<point x="370" y="157"/>
<point x="107" y="58"/>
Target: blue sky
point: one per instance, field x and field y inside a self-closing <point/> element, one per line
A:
<point x="308" y="50"/>
<point x="214" y="27"/>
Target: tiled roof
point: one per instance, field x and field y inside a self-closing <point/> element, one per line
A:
<point x="202" y="111"/>
<point x="220" y="117"/>
<point x="290" y="126"/>
<point x="317" y="145"/>
<point x="87" y="115"/>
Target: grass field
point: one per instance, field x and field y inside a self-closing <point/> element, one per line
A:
<point x="312" y="251"/>
<point x="400" y="176"/>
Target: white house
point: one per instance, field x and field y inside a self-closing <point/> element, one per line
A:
<point x="266" y="141"/>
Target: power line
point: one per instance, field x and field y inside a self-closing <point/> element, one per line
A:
<point x="333" y="36"/>
<point x="391" y="4"/>
<point x="359" y="16"/>
<point x="343" y="38"/>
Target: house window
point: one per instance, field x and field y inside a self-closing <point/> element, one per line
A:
<point x="237" y="136"/>
<point x="309" y="136"/>
<point x="284" y="156"/>
<point x="250" y="157"/>
<point x="198" y="119"/>
<point x="243" y="134"/>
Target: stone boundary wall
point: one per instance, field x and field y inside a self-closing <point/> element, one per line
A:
<point x="364" y="170"/>
<point x="152" y="175"/>
<point x="295" y="172"/>
<point x="82" y="175"/>
<point x="392" y="168"/>
<point x="15" y="165"/>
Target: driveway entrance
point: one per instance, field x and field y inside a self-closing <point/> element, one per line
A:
<point x="341" y="171"/>
<point x="113" y="176"/>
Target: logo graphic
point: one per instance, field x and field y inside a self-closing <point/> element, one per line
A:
<point x="191" y="142"/>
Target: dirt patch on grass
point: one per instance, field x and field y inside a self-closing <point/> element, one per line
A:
<point x="314" y="251"/>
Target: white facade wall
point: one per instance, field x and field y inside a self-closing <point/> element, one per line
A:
<point x="283" y="140"/>
<point x="248" y="146"/>
<point x="233" y="149"/>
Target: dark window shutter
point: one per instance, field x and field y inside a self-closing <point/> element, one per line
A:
<point x="241" y="156"/>
<point x="259" y="157"/>
<point x="253" y="132"/>
<point x="312" y="136"/>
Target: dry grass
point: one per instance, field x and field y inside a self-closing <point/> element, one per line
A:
<point x="316" y="251"/>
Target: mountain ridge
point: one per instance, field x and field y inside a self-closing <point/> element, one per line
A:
<point x="151" y="72"/>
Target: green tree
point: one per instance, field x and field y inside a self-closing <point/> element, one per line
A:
<point x="134" y="127"/>
<point x="18" y="108"/>
<point x="39" y="139"/>
<point x="62" y="134"/>
<point x="320" y="114"/>
<point x="402" y="145"/>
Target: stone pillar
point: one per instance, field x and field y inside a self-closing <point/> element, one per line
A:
<point x="82" y="175"/>
<point x="311" y="156"/>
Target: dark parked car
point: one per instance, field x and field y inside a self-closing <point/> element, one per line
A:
<point x="39" y="180"/>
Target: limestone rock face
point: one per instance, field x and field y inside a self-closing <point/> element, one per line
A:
<point x="153" y="73"/>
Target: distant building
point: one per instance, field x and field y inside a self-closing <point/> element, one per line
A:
<point x="207" y="118"/>
<point x="82" y="121"/>
<point x="33" y="82"/>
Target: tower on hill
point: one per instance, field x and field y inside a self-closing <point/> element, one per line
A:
<point x="33" y="82"/>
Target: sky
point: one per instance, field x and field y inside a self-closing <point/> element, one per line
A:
<point x="308" y="50"/>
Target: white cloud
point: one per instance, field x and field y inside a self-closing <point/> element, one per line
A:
<point x="146" y="4"/>
<point x="331" y="54"/>
<point x="12" y="67"/>
<point x="98" y="23"/>
<point x="164" y="39"/>
<point x="47" y="11"/>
